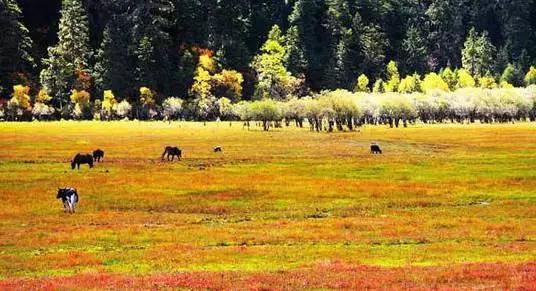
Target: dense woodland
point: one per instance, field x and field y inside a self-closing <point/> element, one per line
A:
<point x="197" y="59"/>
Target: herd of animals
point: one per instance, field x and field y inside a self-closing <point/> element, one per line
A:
<point x="69" y="195"/>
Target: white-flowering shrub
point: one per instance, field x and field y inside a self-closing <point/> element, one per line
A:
<point x="42" y="111"/>
<point x="123" y="109"/>
<point x="172" y="107"/>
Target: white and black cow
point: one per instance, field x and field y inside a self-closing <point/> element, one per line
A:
<point x="69" y="197"/>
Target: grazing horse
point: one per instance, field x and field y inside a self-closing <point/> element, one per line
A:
<point x="172" y="152"/>
<point x="98" y="155"/>
<point x="375" y="149"/>
<point x="69" y="197"/>
<point x="218" y="149"/>
<point x="80" y="159"/>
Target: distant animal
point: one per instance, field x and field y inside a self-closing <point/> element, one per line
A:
<point x="172" y="152"/>
<point x="218" y="149"/>
<point x="375" y="149"/>
<point x="80" y="159"/>
<point x="98" y="155"/>
<point x="69" y="197"/>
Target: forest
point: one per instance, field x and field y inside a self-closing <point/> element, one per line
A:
<point x="197" y="60"/>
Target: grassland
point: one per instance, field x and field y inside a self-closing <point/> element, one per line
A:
<point x="447" y="206"/>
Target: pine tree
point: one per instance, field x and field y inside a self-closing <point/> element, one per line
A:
<point x="311" y="37"/>
<point x="446" y="33"/>
<point x="415" y="51"/>
<point x="516" y="20"/>
<point x="70" y="55"/>
<point x="230" y="34"/>
<point x="153" y="44"/>
<point x="295" y="59"/>
<point x="337" y="21"/>
<point x="478" y="54"/>
<point x="374" y="43"/>
<point x="113" y="68"/>
<point x="15" y="45"/>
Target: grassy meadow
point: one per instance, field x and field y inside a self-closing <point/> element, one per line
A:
<point x="445" y="206"/>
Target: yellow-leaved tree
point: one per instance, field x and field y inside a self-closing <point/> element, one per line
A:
<point x="206" y="61"/>
<point x="42" y="97"/>
<point x="80" y="98"/>
<point x="21" y="97"/>
<point x="465" y="80"/>
<point x="146" y="97"/>
<point x="108" y="104"/>
<point x="228" y="83"/>
<point x="433" y="81"/>
<point x="362" y="84"/>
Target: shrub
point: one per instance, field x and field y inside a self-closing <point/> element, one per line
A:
<point x="266" y="110"/>
<point x="172" y="108"/>
<point x="42" y="111"/>
<point x="123" y="109"/>
<point x="225" y="108"/>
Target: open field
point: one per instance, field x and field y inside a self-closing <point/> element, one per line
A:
<point x="447" y="206"/>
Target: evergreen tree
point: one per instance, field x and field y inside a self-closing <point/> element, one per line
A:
<point x="113" y="68"/>
<point x="71" y="54"/>
<point x="478" y="54"/>
<point x="446" y="32"/>
<point x="347" y="55"/>
<point x="516" y="28"/>
<point x="374" y="44"/>
<point x="229" y="37"/>
<point x="336" y="22"/>
<point x="15" y="46"/>
<point x="311" y="37"/>
<point x="415" y="51"/>
<point x="295" y="60"/>
<point x="153" y="51"/>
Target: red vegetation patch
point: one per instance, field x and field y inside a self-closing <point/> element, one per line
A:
<point x="327" y="275"/>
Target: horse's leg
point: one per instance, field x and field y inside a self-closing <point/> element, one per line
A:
<point x="73" y="204"/>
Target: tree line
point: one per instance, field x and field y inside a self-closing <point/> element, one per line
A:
<point x="212" y="53"/>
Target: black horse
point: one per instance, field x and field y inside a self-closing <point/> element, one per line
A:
<point x="218" y="149"/>
<point x="69" y="197"/>
<point x="172" y="152"/>
<point x="375" y="149"/>
<point x="98" y="155"/>
<point x="80" y="159"/>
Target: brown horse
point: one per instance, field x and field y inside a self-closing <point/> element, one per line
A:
<point x="80" y="159"/>
<point x="98" y="155"/>
<point x="172" y="152"/>
<point x="375" y="149"/>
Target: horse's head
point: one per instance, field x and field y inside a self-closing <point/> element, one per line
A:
<point x="73" y="164"/>
<point x="60" y="193"/>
